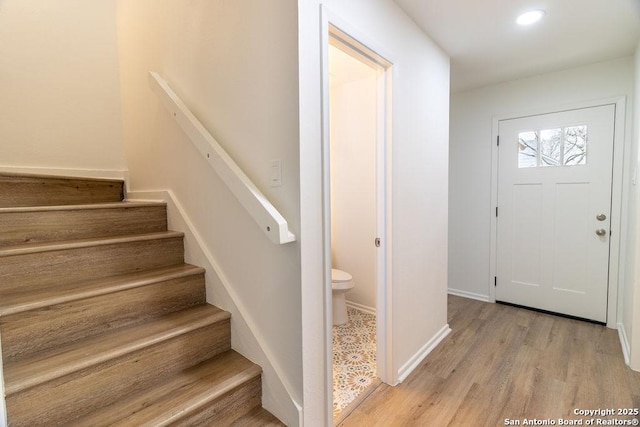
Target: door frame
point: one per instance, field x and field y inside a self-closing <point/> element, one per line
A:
<point x="332" y="25"/>
<point x="618" y="218"/>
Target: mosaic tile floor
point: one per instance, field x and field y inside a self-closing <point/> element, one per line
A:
<point x="354" y="358"/>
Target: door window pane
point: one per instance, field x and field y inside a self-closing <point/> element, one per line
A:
<point x="575" y="145"/>
<point x="551" y="147"/>
<point x="527" y="149"/>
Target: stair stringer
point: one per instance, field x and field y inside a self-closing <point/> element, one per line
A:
<point x="244" y="334"/>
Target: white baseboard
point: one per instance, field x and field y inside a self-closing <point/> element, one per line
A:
<point x="361" y="307"/>
<point x="191" y="234"/>
<point x="465" y="294"/>
<point x="415" y="360"/>
<point x="624" y="343"/>
<point x="68" y="172"/>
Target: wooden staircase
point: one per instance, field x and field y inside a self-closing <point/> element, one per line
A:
<point x="101" y="321"/>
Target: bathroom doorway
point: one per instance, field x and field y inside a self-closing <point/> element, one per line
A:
<point x="357" y="163"/>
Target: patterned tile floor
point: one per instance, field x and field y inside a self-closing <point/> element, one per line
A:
<point x="354" y="358"/>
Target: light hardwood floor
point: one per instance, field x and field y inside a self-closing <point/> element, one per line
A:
<point x="501" y="363"/>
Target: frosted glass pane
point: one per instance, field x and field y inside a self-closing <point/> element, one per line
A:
<point x="551" y="147"/>
<point x="575" y="145"/>
<point x="527" y="149"/>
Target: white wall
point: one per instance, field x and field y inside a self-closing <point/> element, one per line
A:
<point x="472" y="114"/>
<point x="631" y="292"/>
<point x="420" y="173"/>
<point x="353" y="112"/>
<point x="234" y="63"/>
<point x="59" y="82"/>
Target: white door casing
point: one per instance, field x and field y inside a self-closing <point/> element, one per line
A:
<point x="548" y="253"/>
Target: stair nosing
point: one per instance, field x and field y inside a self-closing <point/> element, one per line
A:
<point x="90" y="206"/>
<point x="194" y="404"/>
<point x="15" y="383"/>
<point x="25" y="175"/>
<point x="128" y="281"/>
<point x="32" y="248"/>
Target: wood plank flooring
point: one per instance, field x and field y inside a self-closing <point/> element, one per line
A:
<point x="500" y="363"/>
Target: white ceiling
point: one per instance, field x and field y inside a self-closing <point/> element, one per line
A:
<point x="486" y="46"/>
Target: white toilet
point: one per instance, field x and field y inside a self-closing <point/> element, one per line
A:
<point x="341" y="282"/>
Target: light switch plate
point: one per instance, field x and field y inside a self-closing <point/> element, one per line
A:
<point x="276" y="173"/>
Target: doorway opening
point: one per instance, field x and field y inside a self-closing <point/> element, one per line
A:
<point x="357" y="195"/>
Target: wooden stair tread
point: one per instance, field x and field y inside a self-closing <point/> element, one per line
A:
<point x="58" y="362"/>
<point x="110" y="205"/>
<point x="259" y="417"/>
<point x="184" y="393"/>
<point x="102" y="321"/>
<point x="18" y="302"/>
<point x="30" y="248"/>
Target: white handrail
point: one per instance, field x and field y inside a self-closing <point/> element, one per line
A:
<point x="261" y="210"/>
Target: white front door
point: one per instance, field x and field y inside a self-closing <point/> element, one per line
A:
<point x="554" y="208"/>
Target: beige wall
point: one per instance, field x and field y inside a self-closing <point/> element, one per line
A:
<point x="234" y="63"/>
<point x="60" y="107"/>
<point x="59" y="90"/>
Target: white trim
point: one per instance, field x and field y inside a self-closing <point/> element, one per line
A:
<point x="415" y="360"/>
<point x="327" y="391"/>
<point x="471" y="295"/>
<point x="624" y="343"/>
<point x="360" y="307"/>
<point x="191" y="234"/>
<point x="619" y="148"/>
<point x="270" y="221"/>
<point x="68" y="172"/>
<point x="3" y="404"/>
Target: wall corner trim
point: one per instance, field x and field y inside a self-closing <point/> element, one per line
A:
<point x="471" y="295"/>
<point x="415" y="360"/>
<point x="624" y="343"/>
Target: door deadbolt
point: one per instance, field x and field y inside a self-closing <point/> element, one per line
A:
<point x="601" y="217"/>
<point x="377" y="242"/>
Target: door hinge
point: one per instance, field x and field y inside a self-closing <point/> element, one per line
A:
<point x="496" y="211"/>
<point x="377" y="242"/>
<point x="495" y="280"/>
<point x="498" y="140"/>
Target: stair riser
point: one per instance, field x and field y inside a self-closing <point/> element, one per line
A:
<point x="228" y="408"/>
<point x="71" y="396"/>
<point x="37" y="270"/>
<point x="48" y="191"/>
<point x="45" y="226"/>
<point x="40" y="329"/>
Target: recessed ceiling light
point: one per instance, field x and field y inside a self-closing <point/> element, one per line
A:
<point x="530" y="17"/>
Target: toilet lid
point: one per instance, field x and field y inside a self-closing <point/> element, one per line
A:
<point x="339" y="276"/>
